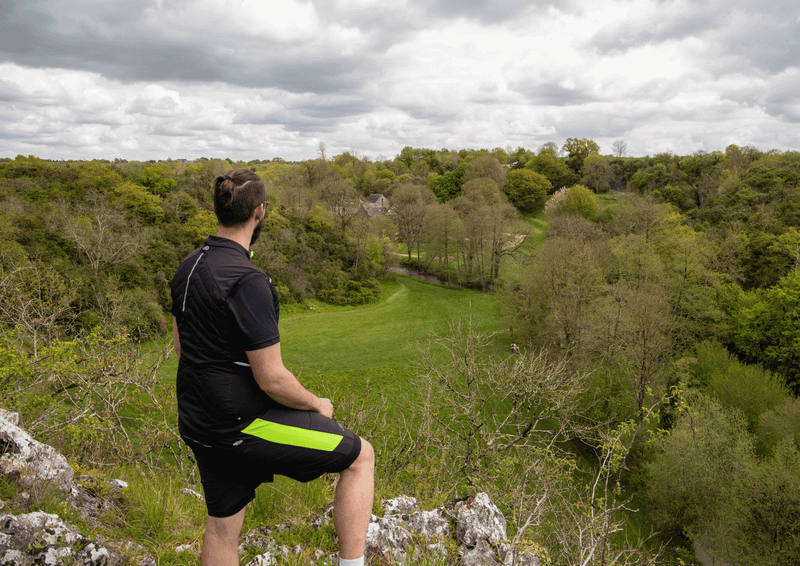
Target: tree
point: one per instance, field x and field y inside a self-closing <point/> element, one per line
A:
<point x="580" y="200"/>
<point x="485" y="166"/>
<point x="448" y="185"/>
<point x="102" y="234"/>
<point x="766" y="328"/>
<point x="35" y="300"/>
<point x="695" y="470"/>
<point x="441" y="232"/>
<point x="597" y="173"/>
<point x="577" y="151"/>
<point x="558" y="291"/>
<point x="527" y="190"/>
<point x="551" y="166"/>
<point x="620" y="148"/>
<point x="409" y="203"/>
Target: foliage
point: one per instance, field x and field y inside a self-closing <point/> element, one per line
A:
<point x="498" y="424"/>
<point x="766" y="328"/>
<point x="527" y="190"/>
<point x="746" y="388"/>
<point x="707" y="485"/>
<point x="580" y="200"/>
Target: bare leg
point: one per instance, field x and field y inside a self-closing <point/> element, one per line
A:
<point x="221" y="541"/>
<point x="352" y="504"/>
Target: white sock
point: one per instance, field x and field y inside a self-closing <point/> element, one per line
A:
<point x="353" y="562"/>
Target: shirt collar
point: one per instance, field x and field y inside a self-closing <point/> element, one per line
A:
<point x="217" y="242"/>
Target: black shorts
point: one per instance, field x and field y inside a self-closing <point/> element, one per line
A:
<point x="301" y="445"/>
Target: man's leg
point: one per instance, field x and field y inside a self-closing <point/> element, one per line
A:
<point x="221" y="541"/>
<point x="352" y="505"/>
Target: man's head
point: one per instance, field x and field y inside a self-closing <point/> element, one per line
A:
<point x="237" y="195"/>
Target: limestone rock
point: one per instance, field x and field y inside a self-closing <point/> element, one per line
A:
<point x="432" y="524"/>
<point x="44" y="538"/>
<point x="479" y="519"/>
<point x="265" y="559"/>
<point x="402" y="505"/>
<point x="387" y="538"/>
<point x="482" y="555"/>
<point x="28" y="462"/>
<point x="517" y="557"/>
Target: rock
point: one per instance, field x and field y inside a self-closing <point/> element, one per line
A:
<point x="517" y="557"/>
<point x="46" y="539"/>
<point x="481" y="555"/>
<point x="479" y="519"/>
<point x="91" y="507"/>
<point x="402" y="505"/>
<point x="387" y="538"/>
<point x="9" y="417"/>
<point x="262" y="560"/>
<point x="432" y="524"/>
<point x="183" y="548"/>
<point x="323" y="519"/>
<point x="193" y="493"/>
<point x="28" y="462"/>
<point x="117" y="485"/>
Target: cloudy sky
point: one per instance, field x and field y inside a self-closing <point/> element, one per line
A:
<point x="255" y="79"/>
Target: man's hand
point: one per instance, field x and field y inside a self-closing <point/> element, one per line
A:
<point x="325" y="407"/>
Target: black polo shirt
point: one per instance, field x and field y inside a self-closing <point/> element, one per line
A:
<point x="224" y="306"/>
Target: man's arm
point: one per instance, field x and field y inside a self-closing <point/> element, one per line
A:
<point x="281" y="384"/>
<point x="176" y="339"/>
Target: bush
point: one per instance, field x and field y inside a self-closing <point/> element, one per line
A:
<point x="580" y="200"/>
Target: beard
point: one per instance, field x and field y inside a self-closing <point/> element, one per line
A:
<point x="257" y="231"/>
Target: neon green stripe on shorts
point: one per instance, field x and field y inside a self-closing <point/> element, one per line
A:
<point x="293" y="436"/>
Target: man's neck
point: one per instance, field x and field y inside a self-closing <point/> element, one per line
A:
<point x="241" y="234"/>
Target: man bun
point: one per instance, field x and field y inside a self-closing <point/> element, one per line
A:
<point x="237" y="193"/>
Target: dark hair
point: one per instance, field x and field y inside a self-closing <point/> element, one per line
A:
<point x="237" y="193"/>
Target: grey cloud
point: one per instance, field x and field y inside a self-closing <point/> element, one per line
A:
<point x="552" y="94"/>
<point x="56" y="35"/>
<point x="10" y="92"/>
<point x="491" y="12"/>
<point x="768" y="39"/>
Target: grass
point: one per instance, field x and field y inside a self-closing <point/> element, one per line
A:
<point x="328" y="339"/>
<point x="383" y="334"/>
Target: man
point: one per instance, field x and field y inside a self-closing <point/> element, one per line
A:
<point x="244" y="415"/>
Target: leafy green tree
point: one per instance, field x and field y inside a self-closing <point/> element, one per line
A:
<point x="448" y="185"/>
<point x="577" y="151"/>
<point x="551" y="166"/>
<point x="527" y="190"/>
<point x="695" y="469"/>
<point x="580" y="200"/>
<point x="737" y="386"/>
<point x="766" y="328"/>
<point x="158" y="179"/>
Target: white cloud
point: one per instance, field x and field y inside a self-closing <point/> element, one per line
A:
<point x="255" y="79"/>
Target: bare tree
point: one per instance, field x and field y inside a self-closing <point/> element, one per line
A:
<point x="620" y="148"/>
<point x="102" y="233"/>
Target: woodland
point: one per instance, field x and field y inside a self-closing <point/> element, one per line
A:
<point x="651" y="414"/>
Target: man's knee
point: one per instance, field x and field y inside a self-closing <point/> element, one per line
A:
<point x="366" y="458"/>
<point x="225" y="528"/>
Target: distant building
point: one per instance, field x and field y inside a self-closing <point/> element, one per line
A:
<point x="376" y="205"/>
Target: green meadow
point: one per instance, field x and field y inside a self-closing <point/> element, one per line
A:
<point x="327" y="345"/>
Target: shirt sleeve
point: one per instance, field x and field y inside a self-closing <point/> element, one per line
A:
<point x="252" y="305"/>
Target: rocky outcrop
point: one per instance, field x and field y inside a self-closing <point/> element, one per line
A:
<point x="406" y="532"/>
<point x="28" y="462"/>
<point x="474" y="529"/>
<point x="44" y="539"/>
